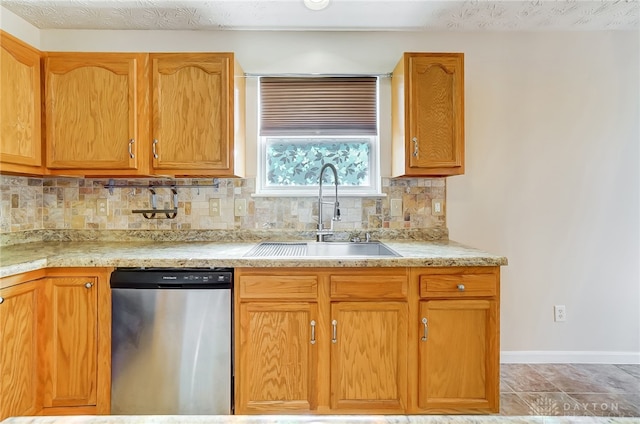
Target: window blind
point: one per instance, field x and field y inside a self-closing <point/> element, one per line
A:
<point x="318" y="106"/>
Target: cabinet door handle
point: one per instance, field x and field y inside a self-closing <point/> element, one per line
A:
<point x="1" y="300"/>
<point x="461" y="287"/>
<point x="426" y="329"/>
<point x="88" y="285"/>
<point x="131" y="155"/>
<point x="415" y="146"/>
<point x="153" y="148"/>
<point x="313" y="332"/>
<point x="334" y="325"/>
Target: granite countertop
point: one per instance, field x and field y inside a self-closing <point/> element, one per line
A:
<point x="317" y="419"/>
<point x="26" y="257"/>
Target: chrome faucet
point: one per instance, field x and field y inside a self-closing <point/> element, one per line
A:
<point x="321" y="233"/>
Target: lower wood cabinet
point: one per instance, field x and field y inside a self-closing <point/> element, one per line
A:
<point x="457" y="365"/>
<point x="325" y="340"/>
<point x="368" y="356"/>
<point x="71" y="346"/>
<point x="56" y="342"/>
<point x="277" y="357"/>
<point x="456" y="355"/>
<point x="367" y="340"/>
<point x="19" y="385"/>
<point x="307" y="340"/>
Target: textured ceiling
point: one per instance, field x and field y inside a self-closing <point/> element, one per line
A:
<point x="341" y="15"/>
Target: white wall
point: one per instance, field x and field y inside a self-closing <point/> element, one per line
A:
<point x="18" y="27"/>
<point x="552" y="177"/>
<point x="552" y="182"/>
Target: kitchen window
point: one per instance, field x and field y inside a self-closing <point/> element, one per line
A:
<point x="306" y="122"/>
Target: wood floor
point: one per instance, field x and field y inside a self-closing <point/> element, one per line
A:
<point x="570" y="389"/>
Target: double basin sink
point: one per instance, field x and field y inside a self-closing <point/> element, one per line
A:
<point x="332" y="249"/>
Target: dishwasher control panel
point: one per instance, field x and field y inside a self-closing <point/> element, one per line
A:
<point x="185" y="278"/>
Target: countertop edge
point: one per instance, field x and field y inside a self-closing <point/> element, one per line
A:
<point x="40" y="255"/>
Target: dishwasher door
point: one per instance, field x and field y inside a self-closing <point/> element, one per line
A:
<point x="171" y="350"/>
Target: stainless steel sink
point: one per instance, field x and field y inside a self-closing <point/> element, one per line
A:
<point x="332" y="249"/>
<point x="341" y="249"/>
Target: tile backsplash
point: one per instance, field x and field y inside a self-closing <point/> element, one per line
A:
<point x="72" y="203"/>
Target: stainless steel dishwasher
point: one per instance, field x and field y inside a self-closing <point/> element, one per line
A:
<point x="171" y="347"/>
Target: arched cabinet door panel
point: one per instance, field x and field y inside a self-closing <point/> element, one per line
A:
<point x="428" y="115"/>
<point x="195" y="122"/>
<point x="95" y="107"/>
<point x="20" y="133"/>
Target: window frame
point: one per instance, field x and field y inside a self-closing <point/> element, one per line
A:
<point x="374" y="188"/>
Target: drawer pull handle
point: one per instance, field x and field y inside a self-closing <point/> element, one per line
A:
<point x="153" y="148"/>
<point x="1" y="300"/>
<point x="131" y="155"/>
<point x="415" y="146"/>
<point x="461" y="287"/>
<point x="334" y="325"/>
<point x="426" y="329"/>
<point x="88" y="285"/>
<point x="313" y="332"/>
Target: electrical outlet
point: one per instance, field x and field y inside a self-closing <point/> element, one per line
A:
<point x="214" y="207"/>
<point x="102" y="207"/>
<point x="560" y="313"/>
<point x="240" y="207"/>
<point x="396" y="207"/>
<point x="437" y="207"/>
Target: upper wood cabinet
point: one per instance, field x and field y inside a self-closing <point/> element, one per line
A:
<point x="428" y="115"/>
<point x="176" y="114"/>
<point x="95" y="105"/>
<point x="20" y="123"/>
<point x="197" y="114"/>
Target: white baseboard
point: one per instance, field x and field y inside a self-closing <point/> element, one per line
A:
<point x="568" y="357"/>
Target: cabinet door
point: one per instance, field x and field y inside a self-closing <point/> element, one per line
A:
<point x="458" y="356"/>
<point x="192" y="112"/>
<point x="92" y="107"/>
<point x="436" y="106"/>
<point x="71" y="355"/>
<point x="368" y="357"/>
<point x="434" y="138"/>
<point x="277" y="366"/>
<point x="20" y="106"/>
<point x="18" y="350"/>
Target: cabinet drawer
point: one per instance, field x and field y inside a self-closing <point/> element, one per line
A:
<point x="278" y="286"/>
<point x="460" y="285"/>
<point x="368" y="287"/>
